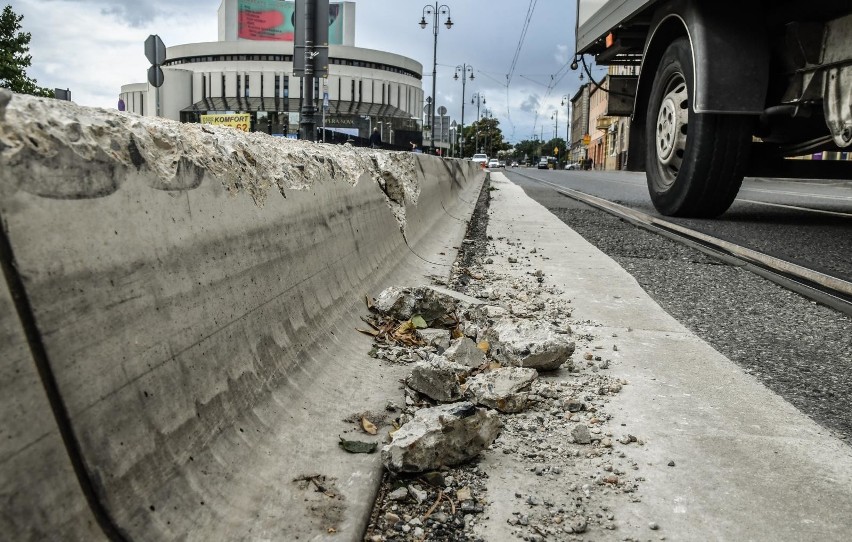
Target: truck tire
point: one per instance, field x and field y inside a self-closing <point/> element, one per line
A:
<point x="696" y="162"/>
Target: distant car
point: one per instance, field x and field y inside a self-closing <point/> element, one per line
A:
<point x="481" y="159"/>
<point x="493" y="163"/>
<point x="514" y="164"/>
<point x="542" y="163"/>
<point x="572" y="165"/>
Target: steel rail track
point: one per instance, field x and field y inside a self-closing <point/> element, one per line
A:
<point x="820" y="287"/>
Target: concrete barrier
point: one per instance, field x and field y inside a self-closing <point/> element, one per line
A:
<point x="178" y="322"/>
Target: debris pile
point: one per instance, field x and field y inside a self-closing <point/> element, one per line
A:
<point x="448" y="337"/>
<point x="510" y="352"/>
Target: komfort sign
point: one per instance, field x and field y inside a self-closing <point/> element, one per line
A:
<point x="240" y="121"/>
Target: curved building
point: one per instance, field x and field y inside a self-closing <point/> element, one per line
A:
<point x="366" y="89"/>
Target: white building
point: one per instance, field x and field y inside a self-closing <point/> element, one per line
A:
<point x="254" y="74"/>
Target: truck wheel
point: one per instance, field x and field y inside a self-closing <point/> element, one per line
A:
<point x="695" y="162"/>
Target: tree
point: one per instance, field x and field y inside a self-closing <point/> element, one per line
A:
<point x="486" y="131"/>
<point x="15" y="57"/>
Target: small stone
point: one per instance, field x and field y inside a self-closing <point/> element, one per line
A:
<point x="419" y="494"/>
<point x="437" y="378"/>
<point x="581" y="434"/>
<point x="532" y="500"/>
<point x="392" y="518"/>
<point x="505" y="388"/>
<point x="671" y="463"/>
<point x="419" y="533"/>
<point x="435" y="479"/>
<point x="465" y="352"/>
<point x="653" y="526"/>
<point x="513" y="260"/>
<point x="464" y="494"/>
<point x="578" y="525"/>
<point x="398" y="494"/>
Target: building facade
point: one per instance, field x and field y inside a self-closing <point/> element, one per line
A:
<point x="365" y="88"/>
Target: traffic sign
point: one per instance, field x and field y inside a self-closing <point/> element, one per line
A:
<point x="155" y="76"/>
<point x="155" y="50"/>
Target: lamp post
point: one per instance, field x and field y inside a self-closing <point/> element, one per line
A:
<point x="477" y="99"/>
<point x="453" y="127"/>
<point x="566" y="101"/>
<point x="442" y="9"/>
<point x="464" y="68"/>
<point x="555" y="116"/>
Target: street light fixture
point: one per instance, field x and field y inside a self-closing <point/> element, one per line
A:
<point x="434" y="11"/>
<point x="477" y="99"/>
<point x="464" y="68"/>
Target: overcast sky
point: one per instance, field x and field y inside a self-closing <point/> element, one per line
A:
<point x="95" y="46"/>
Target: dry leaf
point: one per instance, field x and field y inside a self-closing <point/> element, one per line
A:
<point x="332" y="530"/>
<point x="464" y="494"/>
<point x="369" y="332"/>
<point x="369" y="426"/>
<point x="485" y="346"/>
<point x="457" y="333"/>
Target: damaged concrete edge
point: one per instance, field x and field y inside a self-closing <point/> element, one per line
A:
<point x="90" y="152"/>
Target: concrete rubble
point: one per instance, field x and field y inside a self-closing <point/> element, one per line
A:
<point x="465" y="352"/>
<point x="438" y="378"/>
<point x="506" y="389"/>
<point x="441" y="436"/>
<point x="529" y="343"/>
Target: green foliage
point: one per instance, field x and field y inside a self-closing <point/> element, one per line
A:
<point x="15" y="57"/>
<point x="486" y="132"/>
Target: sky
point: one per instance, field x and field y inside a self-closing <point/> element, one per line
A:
<point x="93" y="47"/>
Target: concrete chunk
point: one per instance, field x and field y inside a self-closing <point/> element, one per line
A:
<point x="465" y="352"/>
<point x="438" y="378"/>
<point x="439" y="338"/>
<point x="430" y="302"/>
<point x="505" y="389"/>
<point x="529" y="343"/>
<point x="445" y="435"/>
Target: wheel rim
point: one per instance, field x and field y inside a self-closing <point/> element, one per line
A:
<point x="671" y="131"/>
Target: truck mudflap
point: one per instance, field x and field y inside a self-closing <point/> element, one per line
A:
<point x="726" y="79"/>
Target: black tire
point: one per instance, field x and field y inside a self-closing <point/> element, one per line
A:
<point x="696" y="163"/>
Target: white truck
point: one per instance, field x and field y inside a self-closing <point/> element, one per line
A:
<point x="725" y="89"/>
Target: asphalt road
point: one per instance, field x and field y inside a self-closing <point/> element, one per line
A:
<point x="805" y="222"/>
<point x="796" y="347"/>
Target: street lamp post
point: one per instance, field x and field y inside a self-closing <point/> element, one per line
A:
<point x="555" y="116"/>
<point x="477" y="99"/>
<point x="566" y="101"/>
<point x="464" y="70"/>
<point x="442" y="9"/>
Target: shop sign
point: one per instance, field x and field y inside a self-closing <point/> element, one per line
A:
<point x="240" y="121"/>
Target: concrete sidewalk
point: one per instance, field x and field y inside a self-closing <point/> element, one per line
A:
<point x="723" y="457"/>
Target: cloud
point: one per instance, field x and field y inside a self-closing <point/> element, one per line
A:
<point x="136" y="14"/>
<point x="530" y="103"/>
<point x="562" y="54"/>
